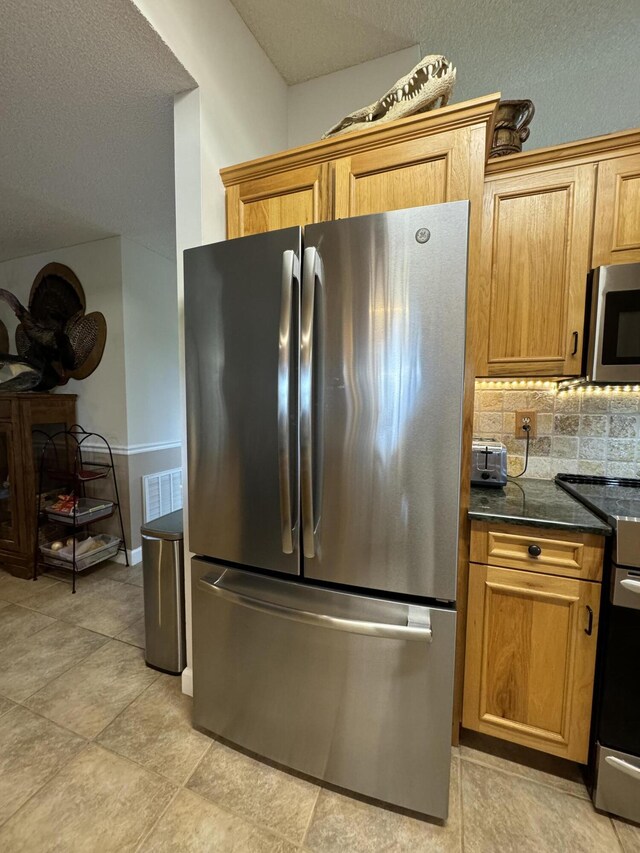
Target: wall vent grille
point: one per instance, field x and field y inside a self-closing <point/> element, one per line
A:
<point x="162" y="493"/>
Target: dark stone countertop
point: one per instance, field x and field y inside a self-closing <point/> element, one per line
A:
<point x="540" y="503"/>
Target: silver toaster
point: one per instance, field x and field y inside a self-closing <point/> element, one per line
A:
<point x="488" y="462"/>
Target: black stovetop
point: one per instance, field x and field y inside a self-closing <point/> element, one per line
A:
<point x="609" y="497"/>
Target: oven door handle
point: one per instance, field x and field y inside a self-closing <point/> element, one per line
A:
<point x="623" y="766"/>
<point x="632" y="586"/>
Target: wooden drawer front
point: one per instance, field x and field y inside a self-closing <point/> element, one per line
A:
<point x="5" y="409"/>
<point x="578" y="555"/>
<point x="530" y="661"/>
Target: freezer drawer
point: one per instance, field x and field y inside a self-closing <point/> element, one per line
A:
<point x="617" y="788"/>
<point x="349" y="689"/>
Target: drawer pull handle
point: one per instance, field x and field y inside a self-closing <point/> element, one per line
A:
<point x="534" y="550"/>
<point x="624" y="766"/>
<point x="413" y="630"/>
<point x="589" y="629"/>
<point x="576" y="338"/>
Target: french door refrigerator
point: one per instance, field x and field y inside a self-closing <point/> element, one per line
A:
<point x="324" y="404"/>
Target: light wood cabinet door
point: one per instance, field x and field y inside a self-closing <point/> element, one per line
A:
<point x="535" y="249"/>
<point x="411" y="173"/>
<point x="530" y="660"/>
<point x="296" y="197"/>
<point x="616" y="236"/>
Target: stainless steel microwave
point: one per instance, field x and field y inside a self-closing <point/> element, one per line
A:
<point x="614" y="336"/>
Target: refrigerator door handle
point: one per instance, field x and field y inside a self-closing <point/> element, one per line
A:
<point x="312" y="271"/>
<point x="290" y="273"/>
<point x="413" y="630"/>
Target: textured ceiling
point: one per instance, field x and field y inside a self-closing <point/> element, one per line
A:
<point x="308" y="38"/>
<point x="86" y="146"/>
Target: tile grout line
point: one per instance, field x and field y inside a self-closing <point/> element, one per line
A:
<point x="250" y="821"/>
<point x="88" y="744"/>
<point x="77" y="625"/>
<point x="617" y="835"/>
<point x="129" y="624"/>
<point x="77" y="663"/>
<point x="199" y="762"/>
<point x="311" y="816"/>
<point x="49" y="720"/>
<point x="526" y="778"/>
<point x="461" y="801"/>
<point x="133" y="760"/>
<point x="232" y="811"/>
<point x="29" y="610"/>
<point x="188" y="776"/>
<point x="121" y="712"/>
<point x="46" y="782"/>
<point x="146" y="835"/>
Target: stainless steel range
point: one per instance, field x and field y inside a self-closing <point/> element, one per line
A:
<point x="614" y="763"/>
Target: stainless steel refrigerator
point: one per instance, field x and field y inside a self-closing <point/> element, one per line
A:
<point x="324" y="404"/>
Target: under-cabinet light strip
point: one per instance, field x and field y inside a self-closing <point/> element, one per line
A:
<point x="598" y="390"/>
<point x="554" y="387"/>
<point x="517" y="384"/>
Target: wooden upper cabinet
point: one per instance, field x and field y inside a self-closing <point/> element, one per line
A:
<point x="422" y="159"/>
<point x="295" y="197"/>
<point x="535" y="257"/>
<point x="428" y="170"/>
<point x="530" y="659"/>
<point x="616" y="237"/>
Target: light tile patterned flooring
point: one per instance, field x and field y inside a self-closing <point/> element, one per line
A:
<point x="97" y="753"/>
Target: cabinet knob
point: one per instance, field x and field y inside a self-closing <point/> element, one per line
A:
<point x="534" y="550"/>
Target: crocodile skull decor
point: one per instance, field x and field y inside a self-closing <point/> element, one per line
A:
<point x="426" y="87"/>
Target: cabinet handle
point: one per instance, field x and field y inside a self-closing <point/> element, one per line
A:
<point x="589" y="629"/>
<point x="534" y="550"/>
<point x="575" y="337"/>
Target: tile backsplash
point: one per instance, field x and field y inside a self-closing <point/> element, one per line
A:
<point x="576" y="433"/>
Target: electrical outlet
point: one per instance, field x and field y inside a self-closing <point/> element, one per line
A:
<point x="523" y="418"/>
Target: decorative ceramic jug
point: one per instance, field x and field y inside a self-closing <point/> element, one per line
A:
<point x="512" y="127"/>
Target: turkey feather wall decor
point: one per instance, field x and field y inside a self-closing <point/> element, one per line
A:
<point x="55" y="339"/>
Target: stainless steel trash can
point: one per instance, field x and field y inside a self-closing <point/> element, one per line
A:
<point x="163" y="582"/>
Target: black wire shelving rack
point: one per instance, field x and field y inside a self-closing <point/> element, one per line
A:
<point x="63" y="466"/>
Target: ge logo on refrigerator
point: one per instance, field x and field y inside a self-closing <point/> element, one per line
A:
<point x="423" y="235"/>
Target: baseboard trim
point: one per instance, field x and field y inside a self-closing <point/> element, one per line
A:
<point x="134" y="554"/>
<point x="187" y="681"/>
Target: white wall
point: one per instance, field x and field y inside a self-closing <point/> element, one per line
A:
<point x="582" y="79"/>
<point x="316" y="105"/>
<point x="239" y="112"/>
<point x="243" y="99"/>
<point x="133" y="397"/>
<point x="150" y="313"/>
<point x="578" y="62"/>
<point x="102" y="404"/>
